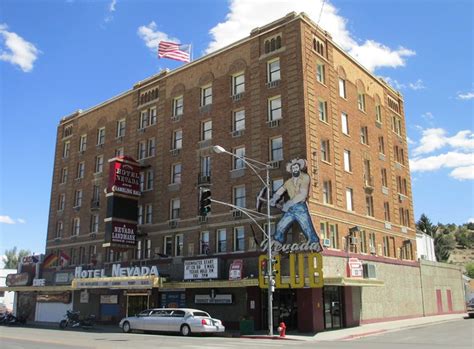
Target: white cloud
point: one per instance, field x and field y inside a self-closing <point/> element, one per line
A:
<point x="435" y="138"/>
<point x="6" y="220"/>
<point x="428" y="116"/>
<point x="112" y="6"/>
<point x="17" y="50"/>
<point x="447" y="160"/>
<point x="245" y="15"/>
<point x="21" y="221"/>
<point x="470" y="220"/>
<point x="462" y="173"/>
<point x="466" y="96"/>
<point x="151" y="36"/>
<point x="410" y="141"/>
<point x="417" y="85"/>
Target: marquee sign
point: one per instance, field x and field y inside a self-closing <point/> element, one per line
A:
<point x="117" y="271"/>
<point x="200" y="269"/>
<point x="122" y="233"/>
<point x="21" y="279"/>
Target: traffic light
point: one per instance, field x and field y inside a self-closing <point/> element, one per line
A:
<point x="275" y="266"/>
<point x="204" y="202"/>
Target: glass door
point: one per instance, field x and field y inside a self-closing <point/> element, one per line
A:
<point x="136" y="303"/>
<point x="332" y="307"/>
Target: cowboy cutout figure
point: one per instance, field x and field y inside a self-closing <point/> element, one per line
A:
<point x="295" y="209"/>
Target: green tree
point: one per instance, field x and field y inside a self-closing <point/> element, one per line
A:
<point x="470" y="270"/>
<point x="444" y="244"/>
<point x="12" y="258"/>
<point x="424" y="224"/>
<point x="464" y="237"/>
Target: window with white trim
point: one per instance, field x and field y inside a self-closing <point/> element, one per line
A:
<point x="78" y="198"/>
<point x="120" y="151"/>
<point x="345" y="123"/>
<point x="76" y="226"/>
<point x="276" y="149"/>
<point x="168" y="245"/>
<point x="83" y="143"/>
<point x="274" y="108"/>
<point x="99" y="164"/>
<point x="177" y="139"/>
<point x="273" y="70"/>
<point x="320" y="73"/>
<point x="59" y="229"/>
<point x="386" y="211"/>
<point x="381" y="145"/>
<point x="378" y="113"/>
<point x="66" y="149"/>
<point x="140" y="214"/>
<point x="383" y="174"/>
<point x="239" y="196"/>
<point x="238" y="120"/>
<point x="323" y="110"/>
<point x="175" y="207"/>
<point x="101" y="136"/>
<point x="361" y="101"/>
<point x="80" y="170"/>
<point x="178" y="245"/>
<point x="238" y="83"/>
<point x="369" y="205"/>
<point x="64" y="173"/>
<point x="94" y="223"/>
<point x="152" y="116"/>
<point x="347" y="161"/>
<point x="349" y="199"/>
<point x="148" y="213"/>
<point x="206" y="95"/>
<point x="325" y="150"/>
<point x="143" y="122"/>
<point x="176" y="173"/>
<point x="204" y="243"/>
<point x="364" y="135"/>
<point x="327" y="192"/>
<point x="206" y="130"/>
<point x="221" y="240"/>
<point x="342" y="88"/>
<point x="178" y="106"/>
<point x="205" y="165"/>
<point x="146" y="180"/>
<point x="238" y="162"/>
<point x="61" y="202"/>
<point x="120" y="128"/>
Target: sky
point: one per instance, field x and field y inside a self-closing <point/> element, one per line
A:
<point x="58" y="56"/>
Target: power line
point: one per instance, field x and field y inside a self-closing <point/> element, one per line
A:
<point x="321" y="12"/>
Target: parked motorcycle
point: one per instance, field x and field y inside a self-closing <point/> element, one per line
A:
<point x="9" y="319"/>
<point x="72" y="319"/>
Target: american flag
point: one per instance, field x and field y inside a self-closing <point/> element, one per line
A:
<point x="175" y="51"/>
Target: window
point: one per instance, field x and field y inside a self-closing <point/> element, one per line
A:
<point x="347" y="161"/>
<point x="99" y="164"/>
<point x="361" y="101"/>
<point x="274" y="108"/>
<point x="331" y="232"/>
<point x="120" y="128"/>
<point x="63" y="178"/>
<point x="175" y="206"/>
<point x="143" y="119"/>
<point x="146" y="148"/>
<point x="238" y="162"/>
<point x="386" y="246"/>
<point x="323" y="111"/>
<point x="176" y="173"/>
<point x="67" y="131"/>
<point x="378" y="113"/>
<point x="381" y="145"/>
<point x="83" y="143"/>
<point x="95" y="194"/>
<point x="327" y="192"/>
<point x="205" y="166"/>
<point x="393" y="104"/>
<point x="318" y="46"/>
<point x="206" y="95"/>
<point x="272" y="44"/>
<point x="146" y="180"/>
<point x="325" y="150"/>
<point x="239" y="196"/>
<point x="119" y="152"/>
<point x="221" y="240"/>
<point x="320" y="73"/>
<point x="141" y="150"/>
<point x="349" y="199"/>
<point x="386" y="211"/>
<point x="61" y="202"/>
<point x="178" y="106"/>
<point x="397" y="125"/>
<point x="204" y="243"/>
<point x="239" y="239"/>
<point x="78" y="198"/>
<point x="273" y="70"/>
<point x="206" y="130"/>
<point x="276" y="149"/>
<point x="364" y="135"/>
<point x="238" y="83"/>
<point x="151" y="147"/>
<point x="101" y="136"/>
<point x="152" y="116"/>
<point x="345" y="123"/>
<point x="94" y="223"/>
<point x="147" y="248"/>
<point x="177" y="139"/>
<point x="383" y="173"/>
<point x="92" y="254"/>
<point x="363" y="242"/>
<point x="139" y="250"/>
<point x="148" y="213"/>
<point x="178" y="245"/>
<point x="80" y="170"/>
<point x="59" y="229"/>
<point x="72" y="256"/>
<point x="369" y="204"/>
<point x="66" y="149"/>
<point x="140" y="214"/>
<point x="238" y="122"/>
<point x="76" y="226"/>
<point x="372" y="242"/>
<point x="342" y="88"/>
<point x="167" y="245"/>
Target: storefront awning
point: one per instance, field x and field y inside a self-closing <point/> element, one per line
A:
<point x="345" y="281"/>
<point x="210" y="284"/>
<point x="36" y="288"/>
<point x="129" y="282"/>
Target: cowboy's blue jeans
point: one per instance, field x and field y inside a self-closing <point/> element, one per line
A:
<point x="298" y="212"/>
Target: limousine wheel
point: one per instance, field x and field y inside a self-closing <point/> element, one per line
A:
<point x="126" y="327"/>
<point x="185" y="330"/>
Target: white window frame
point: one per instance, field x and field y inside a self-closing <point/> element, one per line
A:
<point x="239" y="196"/>
<point x="121" y="128"/>
<point x="80" y="169"/>
<point x="238" y="120"/>
<point x="152" y="116"/>
<point x="361" y="101"/>
<point x="325" y="150"/>
<point x="320" y="73"/>
<point x="238" y="86"/>
<point x="148" y="214"/>
<point x="323" y="110"/>
<point x="177" y="139"/>
<point x="204" y="247"/>
<point x="175" y="208"/>
<point x="76" y="226"/>
<point x="364" y="135"/>
<point x="101" y="136"/>
<point x="276" y="154"/>
<point x="178" y="106"/>
<point x="275" y="108"/>
<point x="168" y="244"/>
<point x="273" y="70"/>
<point x="64" y="175"/>
<point x="349" y="199"/>
<point x="206" y="95"/>
<point x="61" y="202"/>
<point x="342" y="88"/>
<point x="99" y="164"/>
<point x="78" y="198"/>
<point x="176" y="175"/>
<point x="345" y="123"/>
<point x="206" y="130"/>
<point x="83" y="143"/>
<point x="238" y="163"/>
<point x="239" y="235"/>
<point x="143" y="122"/>
<point x="347" y="161"/>
<point x="66" y="149"/>
<point x="221" y="244"/>
<point x="179" y="245"/>
<point x="327" y="192"/>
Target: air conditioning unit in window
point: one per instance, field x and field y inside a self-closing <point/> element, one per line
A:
<point x="175" y="118"/>
<point x="369" y="271"/>
<point x="175" y="152"/>
<point x="272" y="84"/>
<point x="423" y="256"/>
<point x="326" y="242"/>
<point x="236" y="214"/>
<point x="202" y="219"/>
<point x="205" y="144"/>
<point x="237" y="133"/>
<point x="401" y="197"/>
<point x="353" y="240"/>
<point x="274" y="123"/>
<point x="173" y="223"/>
<point x="142" y="130"/>
<point x="237" y="97"/>
<point x="274" y="164"/>
<point x="372" y="249"/>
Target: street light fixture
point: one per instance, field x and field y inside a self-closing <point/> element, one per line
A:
<point x="257" y="166"/>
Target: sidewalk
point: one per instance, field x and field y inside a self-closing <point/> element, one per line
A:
<point x="367" y="330"/>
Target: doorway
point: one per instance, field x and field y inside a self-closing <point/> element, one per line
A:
<point x="332" y="307"/>
<point x="136" y="303"/>
<point x="285" y="308"/>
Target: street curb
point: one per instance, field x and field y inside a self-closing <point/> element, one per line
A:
<point x="360" y="335"/>
<point x="269" y="337"/>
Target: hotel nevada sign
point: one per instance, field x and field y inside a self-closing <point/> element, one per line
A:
<point x="124" y="176"/>
<point x="117" y="271"/>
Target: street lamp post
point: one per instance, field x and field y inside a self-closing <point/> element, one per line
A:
<point x="248" y="161"/>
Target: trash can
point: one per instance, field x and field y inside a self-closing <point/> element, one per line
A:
<point x="247" y="326"/>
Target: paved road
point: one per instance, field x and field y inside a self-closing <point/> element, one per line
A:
<point x="453" y="335"/>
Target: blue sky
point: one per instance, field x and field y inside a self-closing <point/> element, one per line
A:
<point x="60" y="56"/>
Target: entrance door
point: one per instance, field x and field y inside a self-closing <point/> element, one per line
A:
<point x="285" y="308"/>
<point x="136" y="304"/>
<point x="332" y="307"/>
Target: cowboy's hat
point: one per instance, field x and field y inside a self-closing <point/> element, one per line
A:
<point x="300" y="162"/>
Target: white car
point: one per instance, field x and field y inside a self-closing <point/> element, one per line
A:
<point x="182" y="320"/>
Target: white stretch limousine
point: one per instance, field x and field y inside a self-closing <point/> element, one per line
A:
<point x="182" y="320"/>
